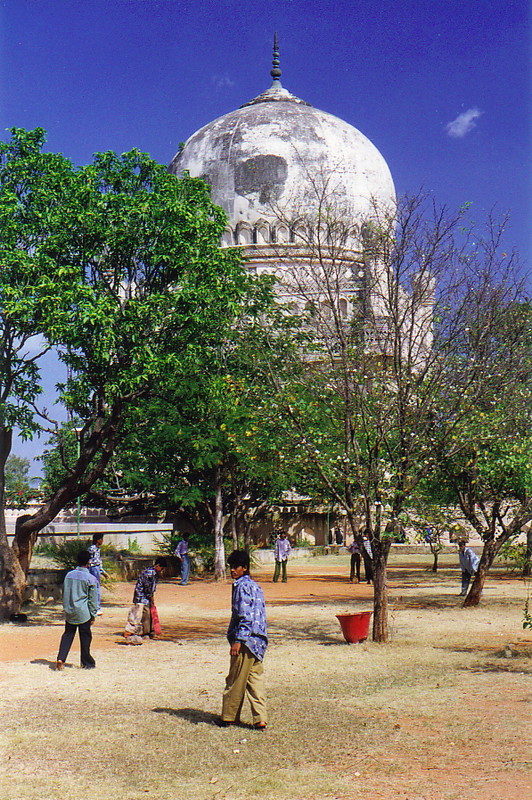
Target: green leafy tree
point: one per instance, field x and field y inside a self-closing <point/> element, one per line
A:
<point x="141" y="291"/>
<point x="488" y="473"/>
<point x="33" y="186"/>
<point x="16" y="473"/>
<point x="203" y="444"/>
<point x="391" y="382"/>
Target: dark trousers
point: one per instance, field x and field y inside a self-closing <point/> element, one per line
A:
<point x="279" y="566"/>
<point x="466" y="577"/>
<point x="368" y="566"/>
<point x="85" y="639"/>
<point x="355" y="565"/>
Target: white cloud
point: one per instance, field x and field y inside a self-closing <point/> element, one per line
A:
<point x="464" y="123"/>
<point x="222" y="81"/>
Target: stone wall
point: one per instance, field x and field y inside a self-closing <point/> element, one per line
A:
<point x="44" y="584"/>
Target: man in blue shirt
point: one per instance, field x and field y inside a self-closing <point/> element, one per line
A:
<point x="248" y="639"/>
<point x="80" y="604"/>
<point x="181" y="552"/>
<point x="469" y="562"/>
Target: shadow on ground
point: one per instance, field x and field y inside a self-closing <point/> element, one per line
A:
<point x="196" y="716"/>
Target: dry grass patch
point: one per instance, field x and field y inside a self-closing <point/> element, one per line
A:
<point x="367" y="721"/>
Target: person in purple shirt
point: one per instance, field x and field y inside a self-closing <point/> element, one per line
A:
<point x="248" y="639"/>
<point x="282" y="551"/>
<point x="181" y="552"/>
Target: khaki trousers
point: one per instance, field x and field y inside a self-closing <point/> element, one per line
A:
<point x="246" y="676"/>
<point x="139" y="620"/>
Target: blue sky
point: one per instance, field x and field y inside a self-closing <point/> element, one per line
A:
<point x="441" y="87"/>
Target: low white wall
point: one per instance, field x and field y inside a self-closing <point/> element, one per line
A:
<point x="118" y="534"/>
<point x="267" y="556"/>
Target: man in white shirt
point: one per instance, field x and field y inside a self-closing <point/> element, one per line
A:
<point x="282" y="550"/>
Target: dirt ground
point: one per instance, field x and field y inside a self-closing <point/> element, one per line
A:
<point x="442" y="712"/>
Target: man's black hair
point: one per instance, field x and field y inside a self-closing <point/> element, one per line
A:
<point x="96" y="537"/>
<point x="239" y="558"/>
<point x="83" y="558"/>
<point x="161" y="562"/>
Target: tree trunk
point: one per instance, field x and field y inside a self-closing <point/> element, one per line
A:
<point x="490" y="550"/>
<point x="90" y="465"/>
<point x="527" y="567"/>
<point x="219" y="551"/>
<point x="435" y="553"/>
<point x="234" y="530"/>
<point x="12" y="577"/>
<point x="380" y="590"/>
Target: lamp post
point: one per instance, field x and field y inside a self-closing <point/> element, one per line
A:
<point x="77" y="431"/>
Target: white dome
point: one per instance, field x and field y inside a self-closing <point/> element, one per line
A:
<point x="278" y="152"/>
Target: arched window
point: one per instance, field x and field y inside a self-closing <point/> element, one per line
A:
<point x="262" y="233"/>
<point x="244" y="233"/>
<point x="281" y="234"/>
<point x="227" y="239"/>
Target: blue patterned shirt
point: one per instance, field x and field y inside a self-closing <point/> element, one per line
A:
<point x="146" y="586"/>
<point x="96" y="557"/>
<point x="248" y="617"/>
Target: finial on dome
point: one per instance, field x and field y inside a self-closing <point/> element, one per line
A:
<point x="275" y="72"/>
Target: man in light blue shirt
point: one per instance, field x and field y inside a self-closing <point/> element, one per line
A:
<point x="80" y="604"/>
<point x="469" y="562"/>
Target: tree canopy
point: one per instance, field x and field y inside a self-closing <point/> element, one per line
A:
<point x="118" y="266"/>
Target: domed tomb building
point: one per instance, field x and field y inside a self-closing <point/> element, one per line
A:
<point x="303" y="192"/>
<point x="292" y="178"/>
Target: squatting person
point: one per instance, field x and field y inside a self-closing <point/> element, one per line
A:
<point x="139" y="620"/>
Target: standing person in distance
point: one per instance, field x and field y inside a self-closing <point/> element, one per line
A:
<point x="80" y="604"/>
<point x="469" y="562"/>
<point x="96" y="566"/>
<point x="282" y="551"/>
<point x="356" y="557"/>
<point x="248" y="639"/>
<point x="181" y="552"/>
<point x="367" y="555"/>
<point x="139" y="621"/>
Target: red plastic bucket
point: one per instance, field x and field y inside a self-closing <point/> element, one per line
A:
<point x="355" y="627"/>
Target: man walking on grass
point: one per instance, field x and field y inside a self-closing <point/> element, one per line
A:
<point x="247" y="636"/>
<point x="80" y="604"/>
